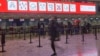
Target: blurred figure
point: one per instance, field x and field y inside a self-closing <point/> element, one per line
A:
<point x="3" y="40"/>
<point x="76" y="26"/>
<point x="41" y="28"/>
<point x="69" y="26"/>
<point x="61" y="26"/>
<point x="88" y="26"/>
<point x="53" y="30"/>
<point x="84" y="29"/>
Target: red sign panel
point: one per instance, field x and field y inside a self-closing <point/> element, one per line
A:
<point x="3" y="6"/>
<point x="47" y="7"/>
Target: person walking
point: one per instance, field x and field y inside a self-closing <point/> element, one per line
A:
<point x="53" y="30"/>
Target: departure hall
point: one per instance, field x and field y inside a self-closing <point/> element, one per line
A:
<point x="49" y="28"/>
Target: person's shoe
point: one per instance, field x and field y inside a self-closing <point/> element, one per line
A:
<point x="54" y="54"/>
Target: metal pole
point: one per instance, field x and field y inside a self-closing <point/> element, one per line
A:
<point x="95" y="33"/>
<point x="15" y="31"/>
<point x="82" y="34"/>
<point x="39" y="39"/>
<point x="30" y="37"/>
<point x="12" y="30"/>
<point x="24" y="34"/>
<point x="66" y="37"/>
<point x="19" y="33"/>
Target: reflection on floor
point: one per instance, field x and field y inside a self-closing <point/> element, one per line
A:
<point x="75" y="47"/>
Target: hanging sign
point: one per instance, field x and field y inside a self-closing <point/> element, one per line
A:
<point x="50" y="7"/>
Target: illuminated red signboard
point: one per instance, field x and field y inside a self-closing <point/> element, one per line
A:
<point x="87" y="8"/>
<point x="47" y="7"/>
<point x="3" y="6"/>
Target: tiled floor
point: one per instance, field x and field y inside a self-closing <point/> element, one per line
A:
<point x="75" y="47"/>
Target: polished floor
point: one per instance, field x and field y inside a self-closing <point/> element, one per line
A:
<point x="75" y="47"/>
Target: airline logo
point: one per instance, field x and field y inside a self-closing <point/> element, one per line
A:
<point x="33" y="6"/>
<point x="65" y="7"/>
<point x="42" y="6"/>
<point x="12" y="5"/>
<point x="50" y="6"/>
<point x="58" y="7"/>
<point x="72" y="7"/>
<point x="23" y="5"/>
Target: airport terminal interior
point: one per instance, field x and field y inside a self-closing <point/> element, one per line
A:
<point x="24" y="33"/>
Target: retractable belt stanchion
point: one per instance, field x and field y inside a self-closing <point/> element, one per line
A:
<point x="40" y="32"/>
<point x="39" y="39"/>
<point x="19" y="31"/>
<point x="24" y="29"/>
<point x="12" y="29"/>
<point x="15" y="31"/>
<point x="66" y="36"/>
<point x="82" y="33"/>
<point x="95" y="33"/>
<point x="30" y="36"/>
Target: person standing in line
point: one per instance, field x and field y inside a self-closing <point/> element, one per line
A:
<point x="88" y="26"/>
<point x="3" y="40"/>
<point x="76" y="26"/>
<point x="53" y="30"/>
<point x="70" y="26"/>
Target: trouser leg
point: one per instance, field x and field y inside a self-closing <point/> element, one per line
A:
<point x="53" y="46"/>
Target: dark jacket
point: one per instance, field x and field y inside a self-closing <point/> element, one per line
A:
<point x="3" y="38"/>
<point x="53" y="30"/>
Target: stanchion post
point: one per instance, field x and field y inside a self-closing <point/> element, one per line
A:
<point x="82" y="34"/>
<point x="15" y="31"/>
<point x="24" y="34"/>
<point x="39" y="39"/>
<point x="19" y="32"/>
<point x="66" y="36"/>
<point x="12" y="32"/>
<point x="24" y="30"/>
<point x="30" y="37"/>
<point x="95" y="32"/>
